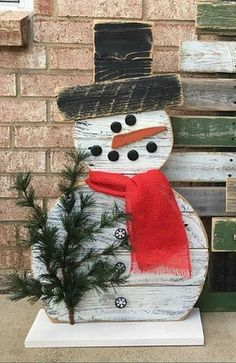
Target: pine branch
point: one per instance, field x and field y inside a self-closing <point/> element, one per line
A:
<point x="22" y="286"/>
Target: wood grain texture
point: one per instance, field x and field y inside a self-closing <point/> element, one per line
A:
<point x="206" y="201"/>
<point x="149" y="296"/>
<point x="223" y="234"/>
<point x="204" y="131"/>
<point x="144" y="303"/>
<point x="231" y="195"/>
<point x="217" y="17"/>
<point x="121" y="97"/>
<point x="208" y="57"/>
<point x="98" y="132"/>
<point x="222" y="272"/>
<point x="122" y="50"/>
<point x="200" y="166"/>
<point x="209" y="94"/>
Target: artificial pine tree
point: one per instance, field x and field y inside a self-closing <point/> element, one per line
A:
<point x="72" y="264"/>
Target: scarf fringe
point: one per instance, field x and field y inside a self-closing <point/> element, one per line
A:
<point x="162" y="270"/>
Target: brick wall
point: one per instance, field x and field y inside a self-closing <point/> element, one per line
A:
<point x="32" y="133"/>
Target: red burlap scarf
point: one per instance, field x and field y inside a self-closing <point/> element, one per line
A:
<point x="156" y="230"/>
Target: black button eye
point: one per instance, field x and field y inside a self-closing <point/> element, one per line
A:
<point x="116" y="127"/>
<point x="113" y="155"/>
<point x="151" y="147"/>
<point x="133" y="155"/>
<point x="130" y="120"/>
<point x="96" y="150"/>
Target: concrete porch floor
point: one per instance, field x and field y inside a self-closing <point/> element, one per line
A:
<point x="17" y="318"/>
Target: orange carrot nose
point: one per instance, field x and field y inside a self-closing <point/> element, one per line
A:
<point x="128" y="138"/>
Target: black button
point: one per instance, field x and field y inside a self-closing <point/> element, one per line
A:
<point x="96" y="150"/>
<point x="120" y="302"/>
<point x="120" y="266"/>
<point x="120" y="233"/>
<point x="116" y="127"/>
<point x="151" y="147"/>
<point x="130" y="120"/>
<point x="133" y="155"/>
<point x="113" y="155"/>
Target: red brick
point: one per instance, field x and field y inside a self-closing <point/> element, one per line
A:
<point x="171" y="9"/>
<point x="14" y="26"/>
<point x="7" y="85"/>
<point x="168" y="35"/>
<point x="56" y="115"/>
<point x="63" y="31"/>
<point x="10" y="258"/>
<point x="10" y="211"/>
<point x="46" y="186"/>
<point x="43" y="7"/>
<point x="165" y="61"/>
<point x="6" y="183"/>
<point x="101" y="8"/>
<point x="49" y="85"/>
<point x="20" y="161"/>
<point x="7" y="235"/>
<point x="26" y="259"/>
<point x="58" y="159"/>
<point x="71" y="58"/>
<point x="33" y="58"/>
<point x="4" y="137"/>
<point x="44" y="136"/>
<point x="17" y="110"/>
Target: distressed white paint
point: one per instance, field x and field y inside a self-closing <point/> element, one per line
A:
<point x="208" y="57"/>
<point x="97" y="132"/>
<point x="200" y="166"/>
<point x="144" y="303"/>
<point x="146" y="283"/>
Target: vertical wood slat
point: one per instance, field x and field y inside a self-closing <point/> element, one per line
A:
<point x="231" y="195"/>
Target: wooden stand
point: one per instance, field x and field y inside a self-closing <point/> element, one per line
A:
<point x="45" y="334"/>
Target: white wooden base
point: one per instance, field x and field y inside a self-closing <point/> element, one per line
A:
<point x="45" y="334"/>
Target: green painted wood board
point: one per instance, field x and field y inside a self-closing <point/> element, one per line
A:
<point x="223" y="232"/>
<point x="217" y="17"/>
<point x="204" y="131"/>
<point x="216" y="301"/>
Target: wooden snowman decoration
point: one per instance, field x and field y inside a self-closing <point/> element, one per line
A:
<point x="129" y="136"/>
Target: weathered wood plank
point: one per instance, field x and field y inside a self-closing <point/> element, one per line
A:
<point x="121" y="97"/>
<point x="99" y="132"/>
<point x="208" y="57"/>
<point x="231" y="195"/>
<point x="148" y="303"/>
<point x="216" y="301"/>
<point x="223" y="234"/>
<point x="122" y="50"/>
<point x="222" y="272"/>
<point x="217" y="17"/>
<point x="206" y="201"/>
<point x="204" y="131"/>
<point x="200" y="166"/>
<point x="209" y="94"/>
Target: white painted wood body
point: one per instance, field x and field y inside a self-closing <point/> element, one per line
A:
<point x="208" y="57"/>
<point x="149" y="296"/>
<point x="98" y="132"/>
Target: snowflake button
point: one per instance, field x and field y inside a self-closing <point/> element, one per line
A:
<point x="120" y="233"/>
<point x="120" y="266"/>
<point x="121" y="302"/>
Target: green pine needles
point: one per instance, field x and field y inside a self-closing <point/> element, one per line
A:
<point x="72" y="263"/>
